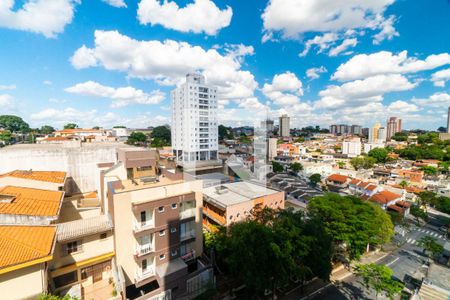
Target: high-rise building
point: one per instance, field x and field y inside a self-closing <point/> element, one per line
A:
<point x="194" y="120"/>
<point x="333" y="129"/>
<point x="394" y="125"/>
<point x="377" y="134"/>
<point x="284" y="125"/>
<point x="356" y="129"/>
<point x="448" y="120"/>
<point x="268" y="125"/>
<point x="342" y="129"/>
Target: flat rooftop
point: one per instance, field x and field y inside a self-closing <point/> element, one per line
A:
<point x="234" y="193"/>
<point x="439" y="276"/>
<point x="122" y="186"/>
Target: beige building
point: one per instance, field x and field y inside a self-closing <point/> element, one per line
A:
<point x="25" y="252"/>
<point x="157" y="224"/>
<point x="233" y="202"/>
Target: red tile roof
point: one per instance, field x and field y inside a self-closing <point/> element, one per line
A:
<point x="337" y="178"/>
<point x="384" y="197"/>
<point x="403" y="204"/>
<point x="371" y="187"/>
<point x="396" y="208"/>
<point x="355" y="181"/>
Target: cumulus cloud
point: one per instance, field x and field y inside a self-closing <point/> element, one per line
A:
<point x="167" y="62"/>
<point x="293" y="18"/>
<point x="439" y="78"/>
<point x="39" y="16"/>
<point x="385" y="62"/>
<point x="402" y="107"/>
<point x="359" y="92"/>
<point x="346" y="44"/>
<point x="7" y="87"/>
<point x="199" y="16"/>
<point x="116" y="3"/>
<point x="285" y="89"/>
<point x="122" y="96"/>
<point x="314" y="73"/>
<point x="7" y="102"/>
<point x="437" y="100"/>
<point x="322" y="42"/>
<point x="251" y="104"/>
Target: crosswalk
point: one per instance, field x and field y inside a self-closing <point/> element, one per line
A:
<point x="431" y="233"/>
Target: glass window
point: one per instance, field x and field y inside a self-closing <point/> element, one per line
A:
<point x="174" y="205"/>
<point x="162" y="256"/>
<point x="162" y="233"/>
<point x="173" y="229"/>
<point x="161" y="209"/>
<point x="174" y="252"/>
<point x="65" y="279"/>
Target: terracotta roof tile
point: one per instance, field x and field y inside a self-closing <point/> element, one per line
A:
<point x="31" y="202"/>
<point x="403" y="204"/>
<point x="396" y="208"/>
<point x="337" y="178"/>
<point x="385" y="197"/>
<point x="47" y="176"/>
<point x="20" y="244"/>
<point x="355" y="181"/>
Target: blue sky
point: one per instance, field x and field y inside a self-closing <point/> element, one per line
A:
<point x="114" y="62"/>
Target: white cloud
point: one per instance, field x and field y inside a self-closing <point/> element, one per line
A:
<point x="402" y="107"/>
<point x="384" y="62"/>
<point x="314" y="73"/>
<point x="440" y="77"/>
<point x="359" y="92"/>
<point x="167" y="62"/>
<point x="387" y="31"/>
<point x="39" y="16"/>
<point x="293" y="18"/>
<point x="437" y="100"/>
<point x="116" y="3"/>
<point x="347" y="43"/>
<point x="47" y="82"/>
<point x="6" y="102"/>
<point x="7" y="87"/>
<point x="199" y="16"/>
<point x="251" y="104"/>
<point x="285" y="89"/>
<point x="323" y="42"/>
<point x="122" y="96"/>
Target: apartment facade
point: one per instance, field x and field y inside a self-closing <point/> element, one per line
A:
<point x="352" y="147"/>
<point x="194" y="120"/>
<point x="394" y="125"/>
<point x="285" y="126"/>
<point x="158" y="231"/>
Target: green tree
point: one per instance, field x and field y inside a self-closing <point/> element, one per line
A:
<point x="296" y="167"/>
<point x="163" y="134"/>
<point x="96" y="127"/>
<point x="47" y="296"/>
<point x="352" y="224"/>
<point x="277" y="167"/>
<point x="430" y="246"/>
<point x="119" y="126"/>
<point x="379" y="278"/>
<point x="225" y="132"/>
<point x="136" y="138"/>
<point x="427" y="198"/>
<point x="362" y="162"/>
<point x="13" y="124"/>
<point x="71" y="126"/>
<point x="419" y="214"/>
<point x="403" y="184"/>
<point x="429" y="170"/>
<point x="341" y="164"/>
<point x="315" y="178"/>
<point x="442" y="204"/>
<point x="46" y="129"/>
<point x="5" y="137"/>
<point x="379" y="154"/>
<point x="400" y="137"/>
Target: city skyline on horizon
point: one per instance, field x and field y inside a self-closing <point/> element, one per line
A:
<point x="118" y="65"/>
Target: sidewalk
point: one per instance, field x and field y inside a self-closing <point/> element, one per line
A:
<point x="371" y="257"/>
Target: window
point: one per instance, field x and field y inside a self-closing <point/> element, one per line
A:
<point x="174" y="252"/>
<point x="147" y="168"/>
<point x="161" y="209"/>
<point x="173" y="230"/>
<point x="144" y="264"/>
<point x="72" y="247"/>
<point x="174" y="205"/>
<point x="103" y="236"/>
<point x="162" y="256"/>
<point x="143" y="216"/>
<point x="65" y="279"/>
<point x="162" y="233"/>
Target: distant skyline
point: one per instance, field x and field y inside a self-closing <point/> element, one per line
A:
<point x="114" y="62"/>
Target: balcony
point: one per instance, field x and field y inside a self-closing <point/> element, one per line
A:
<point x="187" y="235"/>
<point x="144" y="274"/>
<point x="141" y="226"/>
<point x="188" y="256"/>
<point x="143" y="249"/>
<point x="188" y="213"/>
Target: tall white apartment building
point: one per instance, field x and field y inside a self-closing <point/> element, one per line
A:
<point x="352" y="147"/>
<point x="194" y="120"/>
<point x="284" y="126"/>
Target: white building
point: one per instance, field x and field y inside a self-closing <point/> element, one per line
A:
<point x="352" y="147"/>
<point x="194" y="120"/>
<point x="284" y="125"/>
<point x="370" y="146"/>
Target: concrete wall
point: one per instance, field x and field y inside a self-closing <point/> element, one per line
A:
<point x="79" y="162"/>
<point x="26" y="283"/>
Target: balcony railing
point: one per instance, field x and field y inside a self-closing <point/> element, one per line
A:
<point x="187" y="235"/>
<point x="188" y="256"/>
<point x="144" y="274"/>
<point x="140" y="226"/>
<point x="188" y="213"/>
<point x="143" y="249"/>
